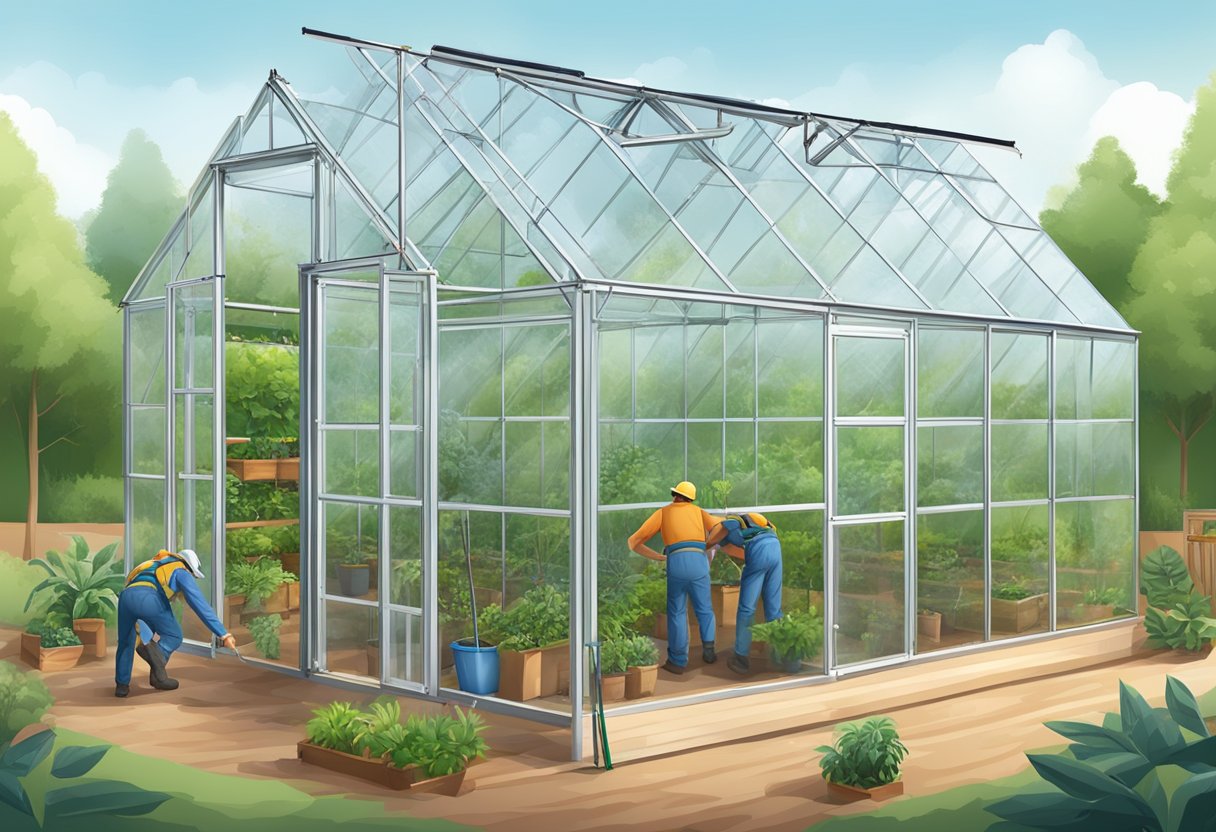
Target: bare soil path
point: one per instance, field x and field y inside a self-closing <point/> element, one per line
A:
<point x="238" y="720"/>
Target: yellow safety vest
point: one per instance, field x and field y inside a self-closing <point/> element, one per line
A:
<point x="157" y="572"/>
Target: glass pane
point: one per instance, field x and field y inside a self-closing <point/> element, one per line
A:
<point x="352" y="462"/>
<point x="536" y="379"/>
<point x="485" y="549"/>
<point x="195" y="424"/>
<point x="404" y="470"/>
<point x="790" y="462"/>
<point x="405" y="634"/>
<point x="1019" y="462"/>
<point x="351" y="639"/>
<point x="147" y="512"/>
<point x="1114" y="380"/>
<point x="950" y="373"/>
<point x="1019" y="570"/>
<point x="1094" y="459"/>
<point x="870" y="594"/>
<point x="351" y="355"/>
<point x="741" y="369"/>
<point x="147" y="355"/>
<point x="869" y="376"/>
<point x="405" y="354"/>
<point x="659" y="353"/>
<point x="741" y="462"/>
<point x="267" y="234"/>
<point x="705" y="459"/>
<point x="706" y="360"/>
<point x="950" y="468"/>
<point x="470" y="371"/>
<point x="869" y="470"/>
<point x="615" y="373"/>
<point x="949" y="580"/>
<point x="350" y="548"/>
<point x="1019" y="376"/>
<point x="1074" y="383"/>
<point x="790" y="373"/>
<point x="1095" y="561"/>
<point x="195" y="501"/>
<point x="148" y="440"/>
<point x="194" y="327"/>
<point x="200" y="262"/>
<point x="405" y="553"/>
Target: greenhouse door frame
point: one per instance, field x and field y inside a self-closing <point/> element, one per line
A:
<point x="315" y="282"/>
<point x="855" y="328"/>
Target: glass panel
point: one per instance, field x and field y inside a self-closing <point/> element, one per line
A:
<point x="615" y="363"/>
<point x="949" y="580"/>
<point x="405" y="634"/>
<point x="1095" y="546"/>
<point x="267" y="234"/>
<point x="148" y="440"/>
<point x="1074" y="383"/>
<point x="405" y="553"/>
<point x="869" y="376"/>
<point x="194" y="331"/>
<point x="950" y="373"/>
<point x="350" y="548"/>
<point x="790" y="375"/>
<point x="195" y="423"/>
<point x="704" y="458"/>
<point x="740" y="369"/>
<point x="351" y="321"/>
<point x="470" y="371"/>
<point x="1019" y="570"/>
<point x="352" y="462"/>
<point x="706" y="393"/>
<point x="950" y="468"/>
<point x="869" y="470"/>
<point x="404" y="472"/>
<point x="1094" y="459"/>
<point x="741" y="462"/>
<point x="351" y="639"/>
<point x="790" y="462"/>
<point x="1019" y="462"/>
<point x="1019" y="376"/>
<point x="201" y="260"/>
<point x="147" y="513"/>
<point x="195" y="502"/>
<point x="536" y="380"/>
<point x="870" y="594"/>
<point x="146" y="348"/>
<point x="1114" y="380"/>
<point x="659" y="352"/>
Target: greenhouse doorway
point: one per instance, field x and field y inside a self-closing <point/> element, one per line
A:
<point x="869" y="497"/>
<point x="368" y="456"/>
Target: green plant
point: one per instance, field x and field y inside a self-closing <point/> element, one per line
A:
<point x="792" y="637"/>
<point x="1112" y="595"/>
<point x="338" y="725"/>
<point x="407" y="582"/>
<point x="1143" y="768"/>
<point x="627" y="475"/>
<point x="1187" y="624"/>
<point x="1164" y="578"/>
<point x="440" y="745"/>
<point x="265" y="630"/>
<point x="58" y="637"/>
<point x="248" y="543"/>
<point x="1011" y="591"/>
<point x="263" y="390"/>
<point x="86" y="499"/>
<point x="720" y="489"/>
<point x="257" y="581"/>
<point x="619" y="612"/>
<point x="725" y="570"/>
<point x="640" y="651"/>
<point x="24" y="698"/>
<point x="261" y="447"/>
<point x="81" y="585"/>
<point x="865" y="755"/>
<point x="540" y="618"/>
<point x="614" y="656"/>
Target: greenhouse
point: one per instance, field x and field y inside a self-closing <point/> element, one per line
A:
<point x="441" y="338"/>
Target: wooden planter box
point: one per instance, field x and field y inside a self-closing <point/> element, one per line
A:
<point x="613" y="687"/>
<point x="92" y="634"/>
<point x="288" y="468"/>
<point x="448" y="784"/>
<point x="725" y="600"/>
<point x="1018" y="616"/>
<point x="640" y="681"/>
<point x="48" y="659"/>
<point x="233" y="606"/>
<point x="554" y="658"/>
<point x="376" y="771"/>
<point x="519" y="674"/>
<point x="291" y="562"/>
<point x="929" y="625"/>
<point x="886" y="792"/>
<point x="254" y="470"/>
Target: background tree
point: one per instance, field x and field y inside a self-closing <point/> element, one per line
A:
<point x="140" y="202"/>
<point x="59" y="336"/>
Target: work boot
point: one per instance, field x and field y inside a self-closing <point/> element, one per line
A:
<point x="158" y="677"/>
<point x="739" y="664"/>
<point x="672" y="667"/>
<point x="708" y="654"/>
<point x="121" y="691"/>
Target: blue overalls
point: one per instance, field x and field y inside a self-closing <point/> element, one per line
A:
<point x="687" y="577"/>
<point x="761" y="579"/>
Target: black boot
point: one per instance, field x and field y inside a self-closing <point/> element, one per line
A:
<point x="708" y="654"/>
<point x="121" y="691"/>
<point x="158" y="677"/>
<point x="740" y="664"/>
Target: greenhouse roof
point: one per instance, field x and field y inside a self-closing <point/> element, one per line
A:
<point x="518" y="172"/>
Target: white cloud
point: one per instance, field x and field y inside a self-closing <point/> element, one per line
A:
<point x="1148" y="123"/>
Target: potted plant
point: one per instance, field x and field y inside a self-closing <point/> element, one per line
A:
<point x="288" y="467"/>
<point x="49" y="647"/>
<point x="354" y="575"/>
<point x="534" y="643"/>
<point x="262" y="459"/>
<point x="254" y="583"/>
<point x="478" y="663"/>
<point x="865" y="760"/>
<point x="614" y="664"/>
<point x="929" y="624"/>
<point x="439" y="749"/>
<point x="791" y="638"/>
<point x="1015" y="608"/>
<point x="643" y="667"/>
<point x="265" y="630"/>
<point x="81" y="588"/>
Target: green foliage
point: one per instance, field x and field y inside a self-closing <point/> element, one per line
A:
<point x="1164" y="578"/>
<point x="338" y="725"/>
<point x="265" y="630"/>
<point x="720" y="490"/>
<point x="1012" y="591"/>
<point x="1142" y="768"/>
<point x="1160" y="509"/>
<point x="17" y="581"/>
<point x="248" y="501"/>
<point x="792" y="637"/>
<point x="627" y="475"/>
<point x="465" y="471"/>
<point x="725" y="570"/>
<point x="83" y="499"/>
<point x="407" y="582"/>
<point x="81" y="584"/>
<point x="1185" y="624"/>
<point x="59" y="637"/>
<point x="540" y="618"/>
<point x="640" y="651"/>
<point x="619" y="613"/>
<point x="1111" y="595"/>
<point x="24" y="698"/>
<point x="614" y="656"/>
<point x="263" y="390"/>
<point x="247" y="543"/>
<point x="865" y="755"/>
<point x="261" y="447"/>
<point x="257" y="581"/>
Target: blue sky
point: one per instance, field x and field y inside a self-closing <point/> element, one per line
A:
<point x="76" y="76"/>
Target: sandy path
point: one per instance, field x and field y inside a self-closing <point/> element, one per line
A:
<point x="237" y="720"/>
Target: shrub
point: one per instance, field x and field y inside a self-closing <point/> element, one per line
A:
<point x="640" y="651"/>
<point x="865" y="755"/>
<point x="85" y="499"/>
<point x="792" y="637"/>
<point x="59" y="637"/>
<point x="540" y="618"/>
<point x="17" y="581"/>
<point x="338" y="725"/>
<point x="265" y="630"/>
<point x="1177" y="616"/>
<point x="80" y="584"/>
<point x="24" y="698"/>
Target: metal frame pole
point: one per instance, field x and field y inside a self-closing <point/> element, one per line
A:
<point x="430" y="493"/>
<point x="582" y="549"/>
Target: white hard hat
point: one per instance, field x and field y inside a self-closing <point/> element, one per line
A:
<point x="191" y="559"/>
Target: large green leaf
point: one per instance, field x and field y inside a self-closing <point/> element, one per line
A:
<point x="1084" y="782"/>
<point x="1183" y="707"/>
<point x="21" y="758"/>
<point x="1095" y="736"/>
<point x="1202" y="751"/>
<point x="101" y="797"/>
<point x="1157" y="736"/>
<point x="1052" y="810"/>
<point x="1164" y="577"/>
<point x="77" y="760"/>
<point x="12" y="793"/>
<point x="1193" y="807"/>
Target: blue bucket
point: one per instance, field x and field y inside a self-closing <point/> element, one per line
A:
<point x="476" y="667"/>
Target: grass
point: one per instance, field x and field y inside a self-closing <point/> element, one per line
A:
<point x="17" y="578"/>
<point x="204" y="800"/>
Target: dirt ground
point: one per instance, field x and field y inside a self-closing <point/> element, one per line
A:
<point x="239" y="720"/>
<point x="57" y="536"/>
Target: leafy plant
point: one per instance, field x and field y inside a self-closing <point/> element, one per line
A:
<point x="1185" y="625"/>
<point x="619" y="612"/>
<point x="59" y="637"/>
<point x="792" y="637"/>
<point x="628" y="475"/>
<point x="263" y="390"/>
<point x="261" y="447"/>
<point x="257" y="581"/>
<point x="24" y="698"/>
<point x="1011" y="591"/>
<point x="614" y="657"/>
<point x="540" y="618"/>
<point x="865" y="755"/>
<point x="338" y="725"/>
<point x="407" y="582"/>
<point x="1111" y="595"/>
<point x="640" y="651"/>
<point x="441" y="744"/>
<point x="248" y="543"/>
<point x="1143" y="768"/>
<point x="265" y="630"/>
<point x="720" y="489"/>
<point x="81" y="585"/>
<point x="1164" y="578"/>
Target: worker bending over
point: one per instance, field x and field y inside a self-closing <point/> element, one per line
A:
<point x="750" y="537"/>
<point x="683" y="527"/>
<point x="145" y="601"/>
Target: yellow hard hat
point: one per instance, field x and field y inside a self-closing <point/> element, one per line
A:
<point x="686" y="489"/>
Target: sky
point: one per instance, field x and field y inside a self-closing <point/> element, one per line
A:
<point x="1054" y="76"/>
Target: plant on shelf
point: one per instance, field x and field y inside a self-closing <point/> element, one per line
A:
<point x="1177" y="616"/>
<point x="793" y="637"/>
<point x="265" y="631"/>
<point x="248" y="543"/>
<point x="865" y="755"/>
<point x="81" y="589"/>
<point x="261" y="447"/>
<point x="1141" y="768"/>
<point x="257" y="581"/>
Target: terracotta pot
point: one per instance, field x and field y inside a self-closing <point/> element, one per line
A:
<point x="254" y="470"/>
<point x="372" y="770"/>
<point x="553" y="659"/>
<point x="519" y="674"/>
<point x="929" y="625"/>
<point x="613" y="687"/>
<point x="640" y="681"/>
<point x="448" y="784"/>
<point x="92" y="634"/>
<point x="288" y="469"/>
<point x="877" y="793"/>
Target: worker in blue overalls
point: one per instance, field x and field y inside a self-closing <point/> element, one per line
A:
<point x="752" y="538"/>
<point x="145" y="603"/>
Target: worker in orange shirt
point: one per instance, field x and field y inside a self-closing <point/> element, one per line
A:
<point x="683" y="526"/>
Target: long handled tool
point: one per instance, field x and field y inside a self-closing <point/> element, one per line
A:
<point x="603" y="724"/>
<point x="593" y="648"/>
